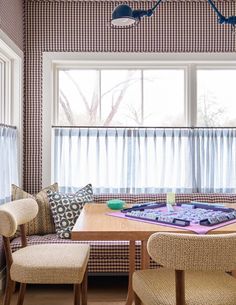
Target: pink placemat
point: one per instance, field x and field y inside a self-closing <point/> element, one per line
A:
<point x="192" y="227"/>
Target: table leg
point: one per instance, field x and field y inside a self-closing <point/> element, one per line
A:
<point x="130" y="295"/>
<point x="145" y="259"/>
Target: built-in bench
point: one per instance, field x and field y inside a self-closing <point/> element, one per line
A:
<point x="111" y="256"/>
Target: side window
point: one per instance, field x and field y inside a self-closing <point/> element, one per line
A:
<point x="10" y="116"/>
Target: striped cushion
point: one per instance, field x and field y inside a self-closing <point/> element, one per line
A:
<point x="43" y="222"/>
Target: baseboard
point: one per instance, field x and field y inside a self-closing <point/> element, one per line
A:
<point x="2" y="279"/>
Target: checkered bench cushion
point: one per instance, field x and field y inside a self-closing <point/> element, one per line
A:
<point x="132" y="198"/>
<point x="105" y="256"/>
<point x="112" y="256"/>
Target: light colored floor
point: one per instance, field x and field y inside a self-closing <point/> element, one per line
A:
<point x="101" y="291"/>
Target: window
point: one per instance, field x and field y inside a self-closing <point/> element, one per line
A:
<point x="216" y="97"/>
<point x="10" y="115"/>
<point x="121" y="97"/>
<point x="142" y="126"/>
<point x="162" y="106"/>
<point x="5" y="96"/>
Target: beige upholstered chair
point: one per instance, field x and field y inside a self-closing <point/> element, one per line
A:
<point x="193" y="273"/>
<point x="40" y="264"/>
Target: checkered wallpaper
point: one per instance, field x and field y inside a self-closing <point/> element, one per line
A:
<point x="11" y="20"/>
<point x="82" y="26"/>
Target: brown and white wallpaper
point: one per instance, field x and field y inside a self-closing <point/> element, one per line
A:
<point x="82" y="26"/>
<point x="11" y="20"/>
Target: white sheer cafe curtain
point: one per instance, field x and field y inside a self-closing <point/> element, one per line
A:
<point x="8" y="161"/>
<point x="145" y="160"/>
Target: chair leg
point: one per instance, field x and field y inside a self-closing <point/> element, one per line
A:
<point x="84" y="288"/>
<point x="14" y="287"/>
<point x="77" y="288"/>
<point x="8" y="291"/>
<point x="137" y="300"/>
<point x="21" y="294"/>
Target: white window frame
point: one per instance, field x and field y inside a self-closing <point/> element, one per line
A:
<point x="189" y="61"/>
<point x="13" y="109"/>
<point x="5" y="115"/>
<point x="6" y="77"/>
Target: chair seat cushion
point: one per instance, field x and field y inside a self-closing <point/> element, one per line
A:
<point x="105" y="256"/>
<point x="157" y="287"/>
<point x="50" y="264"/>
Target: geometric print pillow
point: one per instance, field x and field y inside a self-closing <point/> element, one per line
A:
<point x="66" y="208"/>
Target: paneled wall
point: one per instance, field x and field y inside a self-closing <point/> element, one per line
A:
<point x="11" y="20"/>
<point x="82" y="26"/>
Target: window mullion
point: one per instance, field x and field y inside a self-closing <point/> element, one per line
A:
<point x="8" y="99"/>
<point x="56" y="97"/>
<point x="100" y="94"/>
<point x="2" y="91"/>
<point x="191" y="96"/>
<point x="142" y="96"/>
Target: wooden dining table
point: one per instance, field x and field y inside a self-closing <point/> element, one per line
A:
<point x="95" y="224"/>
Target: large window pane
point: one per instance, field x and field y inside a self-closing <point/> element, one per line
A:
<point x="216" y="98"/>
<point x="164" y="97"/>
<point x="121" y="98"/>
<point x="78" y="97"/>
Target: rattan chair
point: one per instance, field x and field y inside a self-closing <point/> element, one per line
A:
<point x="40" y="264"/>
<point x="193" y="273"/>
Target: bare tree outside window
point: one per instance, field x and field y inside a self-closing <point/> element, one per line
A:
<point x="216" y="98"/>
<point x="210" y="113"/>
<point x="91" y="116"/>
<point x="121" y="97"/>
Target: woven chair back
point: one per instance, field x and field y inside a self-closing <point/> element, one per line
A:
<point x="194" y="252"/>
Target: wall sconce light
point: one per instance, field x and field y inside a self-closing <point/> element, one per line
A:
<point x="124" y="17"/>
<point x="221" y="19"/>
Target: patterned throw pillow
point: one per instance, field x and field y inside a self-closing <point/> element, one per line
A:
<point x="66" y="208"/>
<point x="43" y="222"/>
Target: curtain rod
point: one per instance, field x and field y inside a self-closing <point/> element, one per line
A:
<point x="8" y="126"/>
<point x="146" y="127"/>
